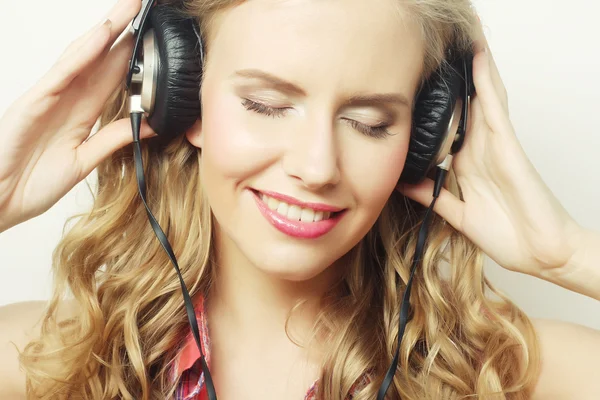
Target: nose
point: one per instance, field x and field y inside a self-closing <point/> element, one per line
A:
<point x="312" y="156"/>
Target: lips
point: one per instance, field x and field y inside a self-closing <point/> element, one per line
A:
<point x="295" y="218"/>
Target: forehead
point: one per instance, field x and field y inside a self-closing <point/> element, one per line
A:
<point x="353" y="45"/>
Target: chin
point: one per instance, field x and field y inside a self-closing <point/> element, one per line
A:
<point x="291" y="266"/>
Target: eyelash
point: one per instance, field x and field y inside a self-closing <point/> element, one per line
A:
<point x="373" y="131"/>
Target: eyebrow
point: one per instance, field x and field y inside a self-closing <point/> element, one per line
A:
<point x="354" y="100"/>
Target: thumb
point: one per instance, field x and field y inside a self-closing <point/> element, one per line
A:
<point x="106" y="141"/>
<point x="446" y="206"/>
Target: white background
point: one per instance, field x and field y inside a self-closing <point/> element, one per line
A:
<point x="548" y="55"/>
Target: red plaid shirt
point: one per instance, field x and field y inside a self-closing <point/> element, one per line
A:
<point x="188" y="371"/>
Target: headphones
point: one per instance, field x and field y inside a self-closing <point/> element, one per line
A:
<point x="163" y="81"/>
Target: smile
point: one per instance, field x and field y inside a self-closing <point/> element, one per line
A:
<point x="294" y="220"/>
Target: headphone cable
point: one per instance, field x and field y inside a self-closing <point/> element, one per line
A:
<point x="440" y="177"/>
<point x="136" y="121"/>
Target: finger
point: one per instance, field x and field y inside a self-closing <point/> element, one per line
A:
<point x="491" y="104"/>
<point x="83" y="52"/>
<point x="75" y="46"/>
<point x="109" y="75"/>
<point x="106" y="141"/>
<point x="70" y="65"/>
<point x="482" y="43"/>
<point x="120" y="15"/>
<point x="447" y="205"/>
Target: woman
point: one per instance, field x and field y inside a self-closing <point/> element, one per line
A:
<point x="289" y="317"/>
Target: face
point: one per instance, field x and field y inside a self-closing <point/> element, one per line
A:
<point x="305" y="127"/>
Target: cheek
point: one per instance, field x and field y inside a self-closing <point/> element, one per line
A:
<point x="230" y="148"/>
<point x="375" y="174"/>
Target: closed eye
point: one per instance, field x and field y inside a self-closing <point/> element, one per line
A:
<point x="263" y="109"/>
<point x="372" y="131"/>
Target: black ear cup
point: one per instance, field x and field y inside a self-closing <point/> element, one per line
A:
<point x="178" y="72"/>
<point x="436" y="118"/>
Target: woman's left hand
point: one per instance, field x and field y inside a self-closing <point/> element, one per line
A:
<point x="508" y="211"/>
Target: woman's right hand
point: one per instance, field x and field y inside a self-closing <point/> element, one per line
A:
<point x="43" y="148"/>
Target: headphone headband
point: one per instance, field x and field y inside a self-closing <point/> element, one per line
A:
<point x="137" y="26"/>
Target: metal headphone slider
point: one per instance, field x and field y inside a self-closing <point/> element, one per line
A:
<point x="445" y="165"/>
<point x="137" y="75"/>
<point x="135" y="104"/>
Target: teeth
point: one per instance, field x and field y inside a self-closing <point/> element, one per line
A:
<point x="293" y="212"/>
<point x="282" y="208"/>
<point x="307" y="215"/>
<point x="272" y="203"/>
<point x="318" y="216"/>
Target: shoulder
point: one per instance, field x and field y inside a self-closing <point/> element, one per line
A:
<point x="19" y="324"/>
<point x="569" y="361"/>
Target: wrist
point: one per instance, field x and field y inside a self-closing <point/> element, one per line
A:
<point x="581" y="273"/>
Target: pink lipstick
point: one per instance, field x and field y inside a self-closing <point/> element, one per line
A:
<point x="299" y="229"/>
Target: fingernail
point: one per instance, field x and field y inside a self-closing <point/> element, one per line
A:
<point x="107" y="22"/>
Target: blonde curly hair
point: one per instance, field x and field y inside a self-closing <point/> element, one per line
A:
<point x="125" y="337"/>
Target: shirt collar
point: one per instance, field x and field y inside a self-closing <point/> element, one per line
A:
<point x="189" y="353"/>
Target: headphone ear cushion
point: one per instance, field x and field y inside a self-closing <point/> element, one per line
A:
<point x="432" y="114"/>
<point x="177" y="98"/>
